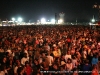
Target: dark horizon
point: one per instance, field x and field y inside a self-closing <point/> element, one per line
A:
<point x="33" y="10"/>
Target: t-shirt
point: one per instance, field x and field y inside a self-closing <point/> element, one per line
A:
<point x="57" y="53"/>
<point x="94" y="61"/>
<point x="23" y="60"/>
<point x="28" y="70"/>
<point x="67" y="56"/>
<point x="95" y="72"/>
<point x="86" y="67"/>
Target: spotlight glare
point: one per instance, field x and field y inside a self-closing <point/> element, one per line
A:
<point x="20" y="19"/>
<point x="52" y="20"/>
<point x="43" y="20"/>
<point x="13" y="19"/>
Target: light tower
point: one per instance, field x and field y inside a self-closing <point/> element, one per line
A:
<point x="93" y="19"/>
<point x="61" y="17"/>
<point x="97" y="6"/>
<point x="56" y="18"/>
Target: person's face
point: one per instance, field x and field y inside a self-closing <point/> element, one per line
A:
<point x="43" y="54"/>
<point x="25" y="55"/>
<point x="63" y="57"/>
<point x="55" y="66"/>
<point x="5" y="59"/>
<point x="38" y="74"/>
<point x="27" y="64"/>
<point x="35" y="62"/>
<point x="68" y="52"/>
<point x="69" y="61"/>
<point x="55" y="48"/>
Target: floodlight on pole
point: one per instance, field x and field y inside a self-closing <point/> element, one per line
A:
<point x="20" y="19"/>
<point x="93" y="20"/>
<point x="13" y="19"/>
<point x="52" y="20"/>
<point x="43" y="20"/>
<point x="60" y="21"/>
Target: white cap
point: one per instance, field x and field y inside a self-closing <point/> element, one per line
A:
<point x="54" y="45"/>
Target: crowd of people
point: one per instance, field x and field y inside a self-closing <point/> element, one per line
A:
<point x="49" y="50"/>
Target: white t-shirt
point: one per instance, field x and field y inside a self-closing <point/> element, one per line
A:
<point x="15" y="69"/>
<point x="26" y="52"/>
<point x="23" y="60"/>
<point x="10" y="52"/>
<point x="67" y="56"/>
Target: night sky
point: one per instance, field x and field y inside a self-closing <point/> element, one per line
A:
<point x="33" y="10"/>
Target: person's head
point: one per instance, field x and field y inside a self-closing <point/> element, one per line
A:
<point x="38" y="73"/>
<point x="54" y="47"/>
<point x="20" y="70"/>
<point x="55" y="66"/>
<point x="48" y="53"/>
<point x="96" y="55"/>
<point x="7" y="54"/>
<point x="69" y="60"/>
<point x="2" y="68"/>
<point x="73" y="57"/>
<point x="25" y="55"/>
<point x="68" y="52"/>
<point x="62" y="57"/>
<point x="86" y="61"/>
<point x="43" y="54"/>
<point x="46" y="44"/>
<point x="18" y="62"/>
<point x="26" y="63"/>
<point x="4" y="59"/>
<point x="36" y="61"/>
<point x="94" y="66"/>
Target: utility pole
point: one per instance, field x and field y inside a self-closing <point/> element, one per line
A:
<point x="97" y="6"/>
<point x="76" y="21"/>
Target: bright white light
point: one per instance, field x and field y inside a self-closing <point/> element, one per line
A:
<point x="43" y="20"/>
<point x="53" y="21"/>
<point x="20" y="19"/>
<point x="13" y="19"/>
<point x="60" y="21"/>
<point x="93" y="20"/>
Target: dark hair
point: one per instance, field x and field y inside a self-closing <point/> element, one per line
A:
<point x="2" y="68"/>
<point x="86" y="61"/>
<point x="19" y="70"/>
<point x="69" y="60"/>
<point x="94" y="66"/>
<point x="26" y="62"/>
